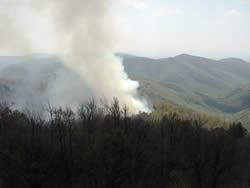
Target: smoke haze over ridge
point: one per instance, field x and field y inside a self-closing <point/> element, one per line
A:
<point x="82" y="32"/>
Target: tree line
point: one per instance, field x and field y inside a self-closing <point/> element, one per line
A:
<point x="105" y="147"/>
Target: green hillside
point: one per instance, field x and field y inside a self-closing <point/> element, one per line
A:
<point x="217" y="87"/>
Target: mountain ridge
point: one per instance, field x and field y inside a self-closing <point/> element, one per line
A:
<point x="182" y="55"/>
<point x="201" y="84"/>
<point x="217" y="87"/>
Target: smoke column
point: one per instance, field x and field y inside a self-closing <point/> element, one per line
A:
<point x="84" y="35"/>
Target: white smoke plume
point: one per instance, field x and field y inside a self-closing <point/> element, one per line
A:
<point x="80" y="30"/>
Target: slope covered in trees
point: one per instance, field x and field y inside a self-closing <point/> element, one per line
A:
<point x="161" y="109"/>
<point x="219" y="88"/>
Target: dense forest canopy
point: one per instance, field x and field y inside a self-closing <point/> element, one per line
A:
<point x="103" y="146"/>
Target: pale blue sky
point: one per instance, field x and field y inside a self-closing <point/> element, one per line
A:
<point x="160" y="28"/>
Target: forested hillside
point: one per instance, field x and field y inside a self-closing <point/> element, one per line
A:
<point x="216" y="87"/>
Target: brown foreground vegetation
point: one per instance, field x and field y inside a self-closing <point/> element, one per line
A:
<point x="104" y="147"/>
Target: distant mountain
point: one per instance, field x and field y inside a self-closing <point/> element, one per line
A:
<point x="32" y="79"/>
<point x="219" y="87"/>
<point x="5" y="61"/>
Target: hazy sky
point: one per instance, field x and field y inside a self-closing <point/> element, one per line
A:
<point x="155" y="28"/>
<point x="212" y="28"/>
